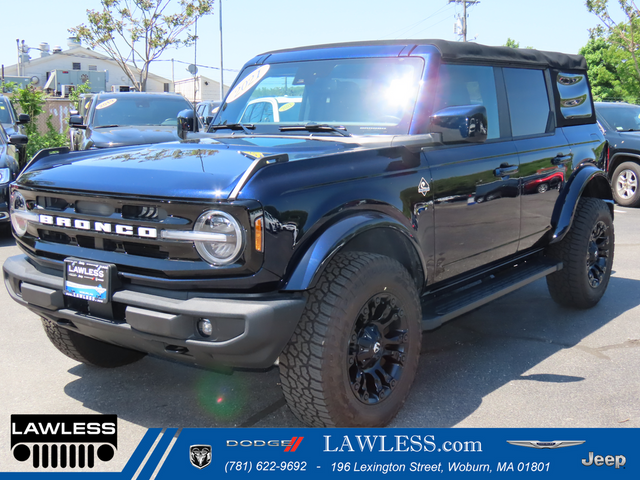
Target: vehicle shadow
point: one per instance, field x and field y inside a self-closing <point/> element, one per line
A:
<point x="472" y="357"/>
<point x="462" y="362"/>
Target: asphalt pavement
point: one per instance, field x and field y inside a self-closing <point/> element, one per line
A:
<point x="521" y="361"/>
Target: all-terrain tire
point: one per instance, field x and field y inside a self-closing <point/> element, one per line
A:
<point x="625" y="184"/>
<point x="88" y="350"/>
<point x="587" y="255"/>
<point x="354" y="354"/>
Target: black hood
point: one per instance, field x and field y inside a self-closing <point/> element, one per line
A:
<point x="203" y="168"/>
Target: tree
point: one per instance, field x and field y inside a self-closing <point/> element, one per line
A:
<point x="611" y="72"/>
<point x="512" y="43"/>
<point x="139" y="31"/>
<point x="625" y="35"/>
<point x="32" y="102"/>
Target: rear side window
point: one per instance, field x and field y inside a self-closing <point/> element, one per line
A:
<point x="528" y="101"/>
<point x="469" y="85"/>
<point x="573" y="90"/>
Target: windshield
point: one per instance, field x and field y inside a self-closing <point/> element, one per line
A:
<point x="5" y="115"/>
<point x="138" y="110"/>
<point x="367" y="96"/>
<point x="623" y="118"/>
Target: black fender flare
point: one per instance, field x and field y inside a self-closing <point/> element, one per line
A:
<point x="310" y="266"/>
<point x="587" y="180"/>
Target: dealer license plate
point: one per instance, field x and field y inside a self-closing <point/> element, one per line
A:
<point x="88" y="280"/>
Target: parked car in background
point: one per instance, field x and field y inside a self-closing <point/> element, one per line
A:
<point x="128" y="118"/>
<point x="9" y="168"/>
<point x="206" y="110"/>
<point x="272" y="109"/>
<point x="620" y="123"/>
<point x="14" y="124"/>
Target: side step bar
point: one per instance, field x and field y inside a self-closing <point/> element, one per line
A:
<point x="450" y="304"/>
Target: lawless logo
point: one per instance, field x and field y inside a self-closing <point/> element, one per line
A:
<point x="552" y="444"/>
<point x="423" y="188"/>
<point x="291" y="445"/>
<point x="200" y="455"/>
<point x="104" y="227"/>
<point x="63" y="440"/>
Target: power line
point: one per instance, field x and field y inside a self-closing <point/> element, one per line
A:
<point x="197" y="65"/>
<point x="464" y="14"/>
<point x="406" y="30"/>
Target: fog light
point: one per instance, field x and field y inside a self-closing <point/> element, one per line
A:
<point x="205" y="327"/>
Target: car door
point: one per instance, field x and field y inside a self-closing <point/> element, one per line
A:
<point x="542" y="148"/>
<point x="475" y="186"/>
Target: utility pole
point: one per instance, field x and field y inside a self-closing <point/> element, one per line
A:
<point x="464" y="14"/>
<point x="221" y="63"/>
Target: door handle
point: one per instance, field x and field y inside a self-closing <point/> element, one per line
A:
<point x="561" y="159"/>
<point x="506" y="170"/>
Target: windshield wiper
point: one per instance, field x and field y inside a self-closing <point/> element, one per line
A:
<point x="317" y="127"/>
<point x="106" y="126"/>
<point x="235" y="126"/>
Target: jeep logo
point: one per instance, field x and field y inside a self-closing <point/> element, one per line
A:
<point x="610" y="461"/>
<point x="144" y="232"/>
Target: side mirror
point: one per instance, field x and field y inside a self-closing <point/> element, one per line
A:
<point x="18" y="139"/>
<point x="23" y="118"/>
<point x="186" y="122"/>
<point x="76" y="121"/>
<point x="461" y="124"/>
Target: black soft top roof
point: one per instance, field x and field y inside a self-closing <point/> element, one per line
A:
<point x="469" y="52"/>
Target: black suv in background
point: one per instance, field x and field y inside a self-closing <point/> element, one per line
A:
<point x="405" y="183"/>
<point x="9" y="169"/>
<point x="13" y="125"/>
<point x="620" y="123"/>
<point x="128" y="118"/>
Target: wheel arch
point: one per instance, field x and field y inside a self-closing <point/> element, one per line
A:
<point x="587" y="181"/>
<point x="620" y="158"/>
<point x="371" y="232"/>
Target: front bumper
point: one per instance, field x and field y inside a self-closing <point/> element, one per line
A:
<point x="249" y="331"/>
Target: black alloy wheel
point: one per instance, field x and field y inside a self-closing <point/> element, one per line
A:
<point x="377" y="349"/>
<point x="586" y="253"/>
<point x="354" y="354"/>
<point x="598" y="255"/>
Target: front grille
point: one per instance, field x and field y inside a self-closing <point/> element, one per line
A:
<point x="114" y="211"/>
<point x="63" y="456"/>
<point x="126" y="233"/>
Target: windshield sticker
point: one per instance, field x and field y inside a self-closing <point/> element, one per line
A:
<point x="253" y="78"/>
<point x="106" y="103"/>
<point x="286" y="107"/>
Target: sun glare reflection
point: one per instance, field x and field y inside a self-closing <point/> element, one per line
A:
<point x="222" y="397"/>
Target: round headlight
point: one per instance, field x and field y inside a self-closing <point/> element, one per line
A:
<point x="18" y="212"/>
<point x="226" y="246"/>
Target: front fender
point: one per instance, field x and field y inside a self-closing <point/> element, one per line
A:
<point x="588" y="181"/>
<point x="308" y="269"/>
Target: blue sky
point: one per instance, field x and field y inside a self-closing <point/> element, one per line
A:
<point x="255" y="26"/>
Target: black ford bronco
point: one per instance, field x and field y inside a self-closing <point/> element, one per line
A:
<point x="344" y="199"/>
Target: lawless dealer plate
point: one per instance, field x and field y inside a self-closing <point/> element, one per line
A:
<point x="87" y="280"/>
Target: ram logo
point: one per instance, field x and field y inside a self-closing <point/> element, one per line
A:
<point x="200" y="455"/>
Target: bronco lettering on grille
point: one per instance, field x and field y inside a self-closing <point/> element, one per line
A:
<point x="145" y="232"/>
